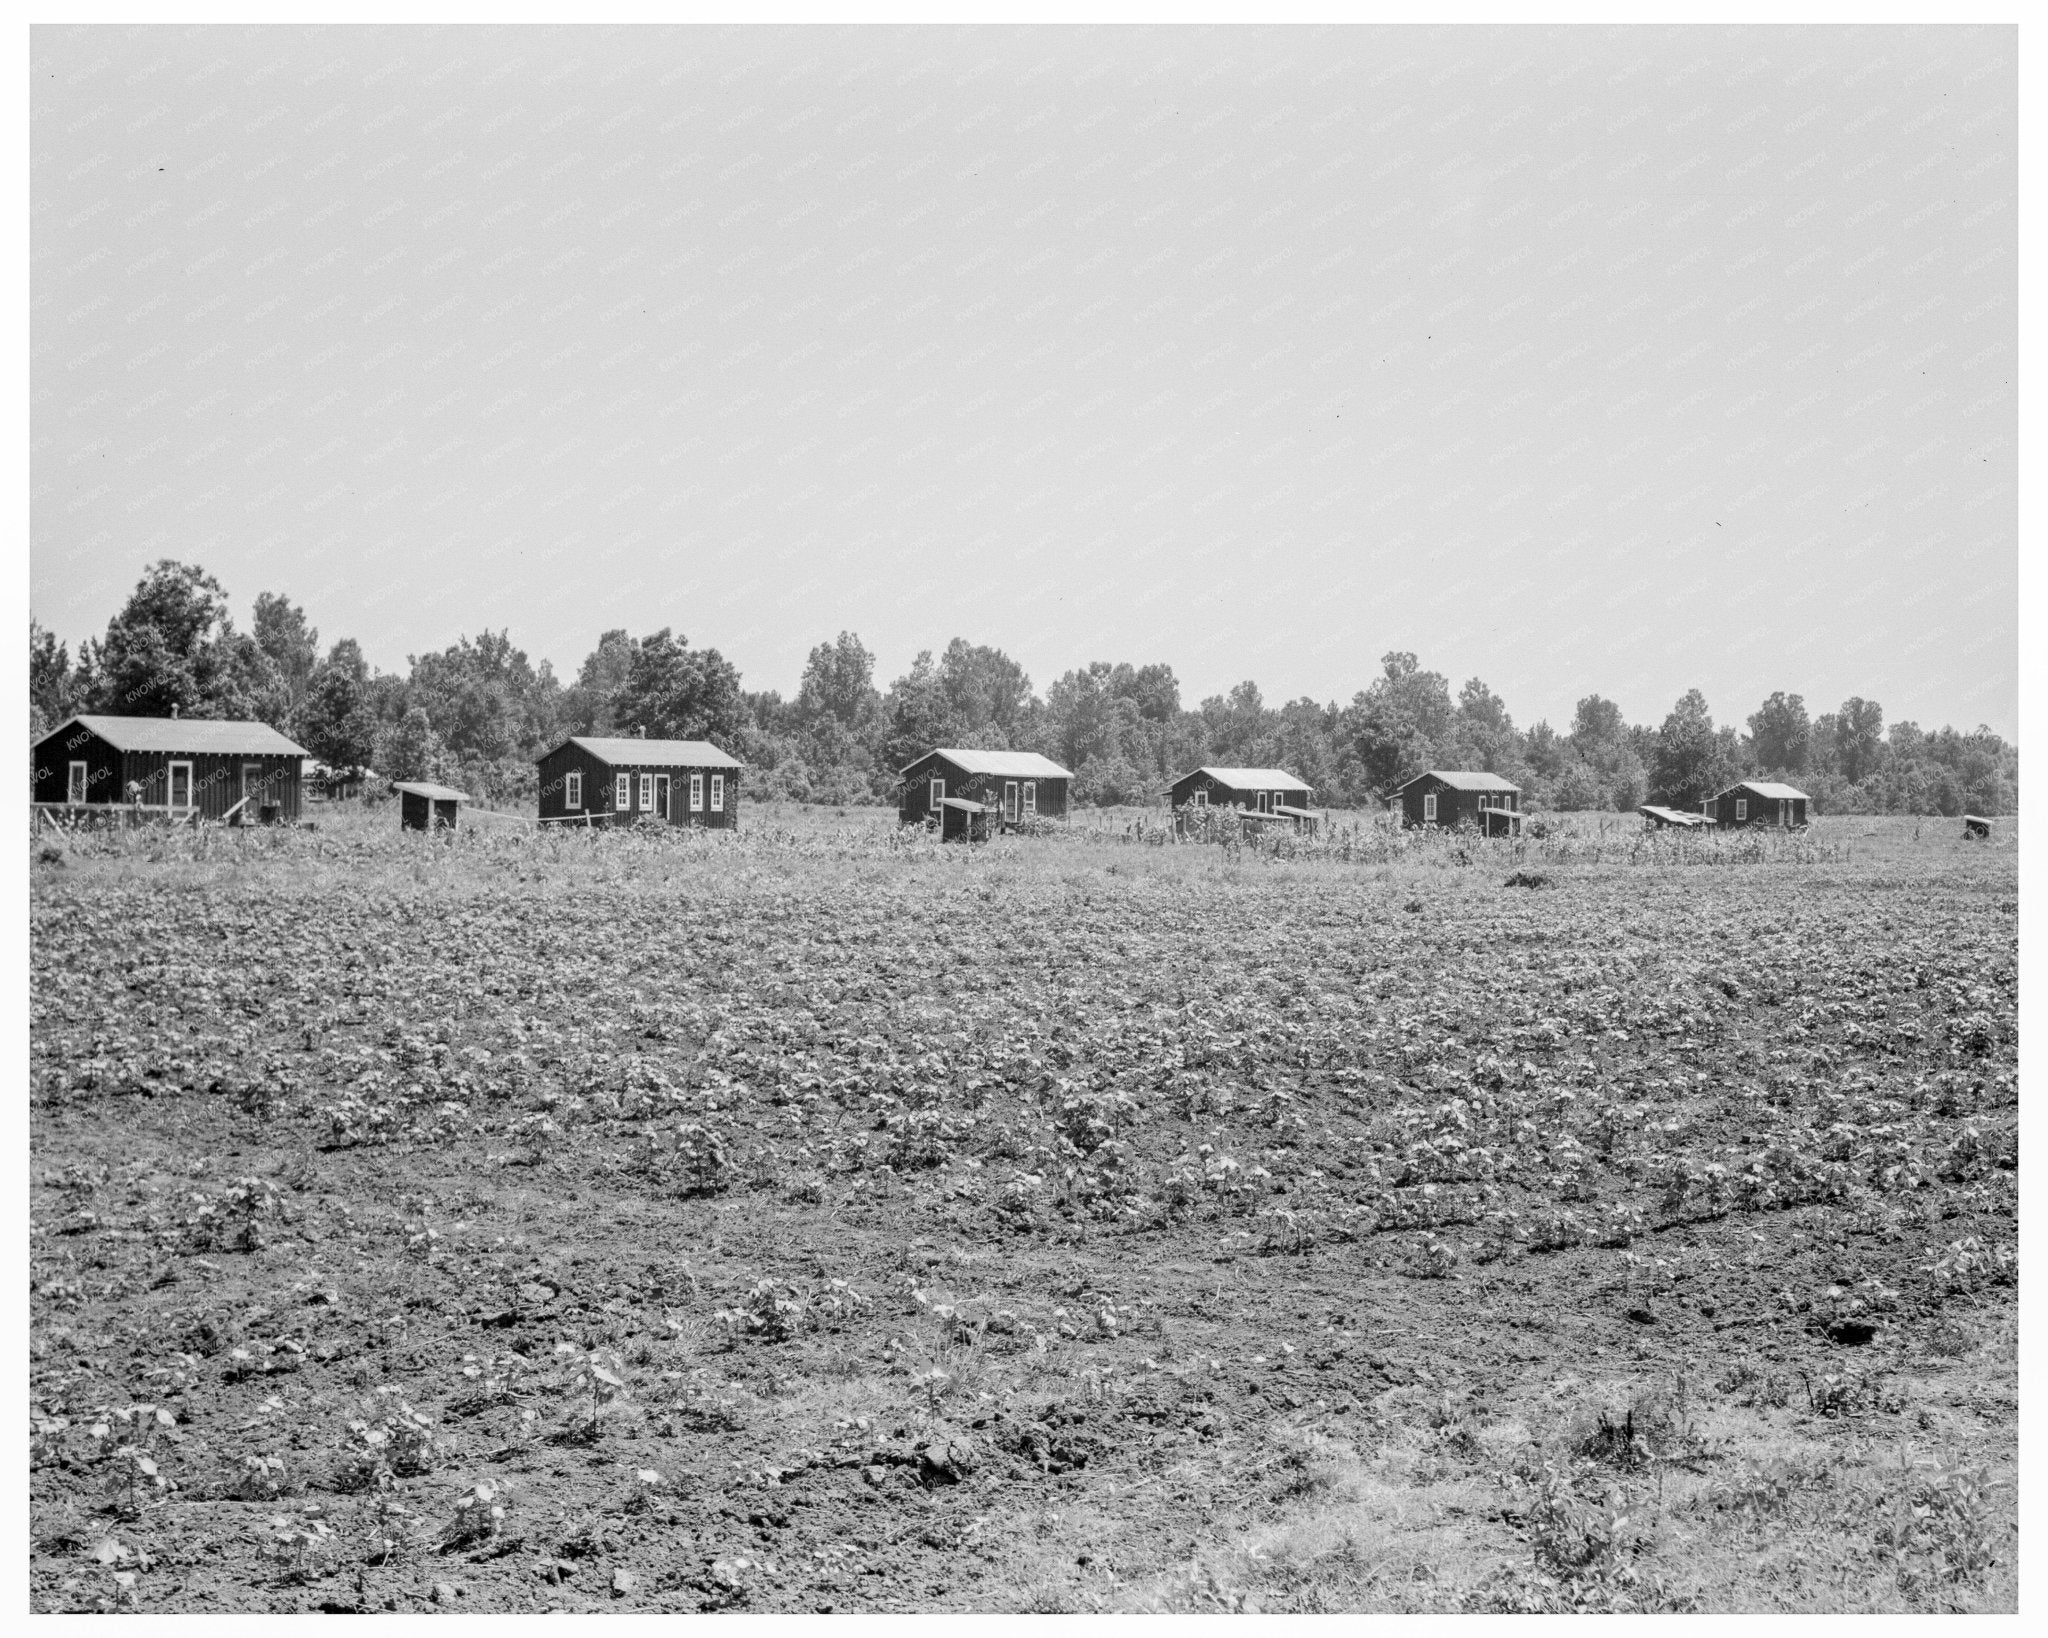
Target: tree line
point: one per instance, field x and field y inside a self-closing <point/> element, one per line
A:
<point x="477" y="714"/>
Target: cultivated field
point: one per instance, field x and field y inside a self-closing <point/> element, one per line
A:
<point x="817" y="1219"/>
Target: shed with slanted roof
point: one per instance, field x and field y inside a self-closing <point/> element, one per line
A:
<point x="426" y="806"/>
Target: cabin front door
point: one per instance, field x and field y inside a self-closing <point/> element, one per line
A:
<point x="661" y="797"/>
<point x="180" y="792"/>
<point x="1010" y="802"/>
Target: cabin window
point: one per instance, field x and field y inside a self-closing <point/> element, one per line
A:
<point x="1429" y="809"/>
<point x="1741" y="809"/>
<point x="77" y="791"/>
<point x="938" y="795"/>
<point x="622" y="793"/>
<point x="1201" y="799"/>
<point x="718" y="793"/>
<point x="647" y="793"/>
<point x="696" y="793"/>
<point x="572" y="790"/>
<point x="1030" y="799"/>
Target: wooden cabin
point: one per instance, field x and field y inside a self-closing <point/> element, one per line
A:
<point x="178" y="767"/>
<point x="1256" y="790"/>
<point x="1490" y="804"/>
<point x="593" y="780"/>
<point x="424" y="806"/>
<point x="1975" y="827"/>
<point x="1757" y="802"/>
<point x="1016" y="786"/>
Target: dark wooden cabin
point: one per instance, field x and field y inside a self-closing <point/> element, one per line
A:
<point x="1490" y="804"/>
<point x="1975" y="827"/>
<point x="1016" y="786"/>
<point x="1757" y="802"/>
<point x="180" y="767"/>
<point x="1256" y="790"/>
<point x="424" y="806"/>
<point x="588" y="779"/>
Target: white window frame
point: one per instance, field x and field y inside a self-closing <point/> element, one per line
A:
<point x="1030" y="799"/>
<point x="78" y="782"/>
<point x="696" y="793"/>
<point x="935" y="798"/>
<point x="718" y="793"/>
<point x="647" y="793"/>
<point x="171" y="788"/>
<point x="1429" y="807"/>
<point x="1265" y="801"/>
<point x="572" y="789"/>
<point x="1009" y="801"/>
<point x="1201" y="799"/>
<point x="1741" y="809"/>
<point x="622" y="793"/>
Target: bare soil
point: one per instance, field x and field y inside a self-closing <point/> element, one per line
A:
<point x="812" y="1221"/>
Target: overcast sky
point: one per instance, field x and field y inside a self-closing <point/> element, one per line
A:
<point x="1576" y="359"/>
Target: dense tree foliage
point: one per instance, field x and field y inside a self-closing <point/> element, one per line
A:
<point x="478" y="713"/>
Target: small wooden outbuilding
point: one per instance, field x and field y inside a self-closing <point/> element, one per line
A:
<point x="1975" y="828"/>
<point x="592" y="779"/>
<point x="1303" y="820"/>
<point x="1757" y="802"/>
<point x="1490" y="804"/>
<point x="423" y="806"/>
<point x="1673" y="818"/>
<point x="178" y="767"/>
<point x="962" y="821"/>
<point x="1016" y="786"/>
<point x="1256" y="790"/>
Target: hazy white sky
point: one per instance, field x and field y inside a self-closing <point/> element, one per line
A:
<point x="1577" y="359"/>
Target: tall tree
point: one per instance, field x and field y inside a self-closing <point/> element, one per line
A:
<point x="1859" y="738"/>
<point x="288" y="642"/>
<point x="412" y="750"/>
<point x="174" y="646"/>
<point x="675" y="691"/>
<point x="1692" y="759"/>
<point x="839" y="683"/>
<point x="1486" y="734"/>
<point x="988" y="693"/>
<point x="1780" y="734"/>
<point x="1400" y="725"/>
<point x="588" y="705"/>
<point x="338" y="722"/>
<point x="919" y="715"/>
<point x="485" y="699"/>
<point x="49" y="680"/>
